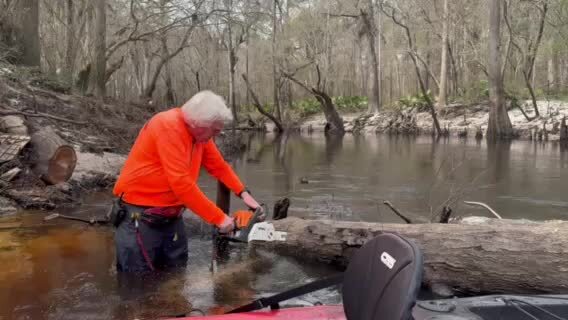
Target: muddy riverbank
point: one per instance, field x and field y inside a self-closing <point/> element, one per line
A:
<point x="460" y="121"/>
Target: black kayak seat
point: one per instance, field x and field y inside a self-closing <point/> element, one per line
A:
<point x="381" y="282"/>
<point x="383" y="279"/>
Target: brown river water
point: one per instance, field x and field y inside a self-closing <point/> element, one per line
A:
<point x="65" y="270"/>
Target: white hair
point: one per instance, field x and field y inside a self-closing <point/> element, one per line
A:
<point x="206" y="107"/>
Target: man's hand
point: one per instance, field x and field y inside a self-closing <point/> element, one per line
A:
<point x="253" y="204"/>
<point x="227" y="226"/>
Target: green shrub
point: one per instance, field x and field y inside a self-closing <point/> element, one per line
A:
<point x="350" y="103"/>
<point x="306" y="107"/>
<point x="417" y="101"/>
<point x="478" y="91"/>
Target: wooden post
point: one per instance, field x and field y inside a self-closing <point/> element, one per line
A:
<point x="220" y="245"/>
<point x="223" y="197"/>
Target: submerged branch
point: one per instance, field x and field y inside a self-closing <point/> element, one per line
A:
<point x="481" y="204"/>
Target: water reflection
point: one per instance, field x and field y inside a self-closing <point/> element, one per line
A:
<point x="333" y="146"/>
<point x="66" y="271"/>
<point x="418" y="174"/>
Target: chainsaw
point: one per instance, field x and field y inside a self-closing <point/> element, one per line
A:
<point x="250" y="227"/>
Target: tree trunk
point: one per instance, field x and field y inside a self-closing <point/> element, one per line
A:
<point x="232" y="61"/>
<point x="442" y="95"/>
<point x="551" y="74"/>
<point x="100" y="49"/>
<point x="232" y="66"/>
<point x="197" y="81"/>
<point x="170" y="93"/>
<point x="426" y="96"/>
<point x="563" y="130"/>
<point x="329" y="70"/>
<point x="334" y="121"/>
<point x="499" y="125"/>
<point x="454" y="70"/>
<point x="332" y="116"/>
<point x="427" y="77"/>
<point x="491" y="257"/>
<point x="532" y="93"/>
<point x="247" y="69"/>
<point x="368" y="17"/>
<point x="275" y="76"/>
<point x="54" y="160"/>
<point x="26" y="23"/>
<point x="364" y="70"/>
<point x="70" y="49"/>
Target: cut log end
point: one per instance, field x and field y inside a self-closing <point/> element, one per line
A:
<point x="55" y="160"/>
<point x="61" y="165"/>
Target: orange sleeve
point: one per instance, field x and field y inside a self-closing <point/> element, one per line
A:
<point x="174" y="155"/>
<point x="219" y="168"/>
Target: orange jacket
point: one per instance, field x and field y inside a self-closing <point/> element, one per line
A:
<point x="163" y="167"/>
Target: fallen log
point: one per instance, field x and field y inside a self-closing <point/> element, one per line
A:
<point x="483" y="256"/>
<point x="54" y="159"/>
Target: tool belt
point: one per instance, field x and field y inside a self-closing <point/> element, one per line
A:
<point x="154" y="220"/>
<point x="117" y="212"/>
<point x="152" y="216"/>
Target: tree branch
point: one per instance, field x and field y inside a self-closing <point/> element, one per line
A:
<point x="426" y="67"/>
<point x="259" y="106"/>
<point x="40" y="115"/>
<point x="395" y="210"/>
<point x="340" y="15"/>
<point x="296" y="81"/>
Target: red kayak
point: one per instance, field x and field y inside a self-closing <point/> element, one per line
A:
<point x="333" y="312"/>
<point x="381" y="282"/>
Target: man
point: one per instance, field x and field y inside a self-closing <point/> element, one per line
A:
<point x="159" y="179"/>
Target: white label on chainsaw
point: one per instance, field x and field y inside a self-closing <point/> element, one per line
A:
<point x="264" y="231"/>
<point x="388" y="260"/>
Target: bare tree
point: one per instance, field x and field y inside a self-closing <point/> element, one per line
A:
<point x="275" y="75"/>
<point x="26" y="24"/>
<point x="242" y="19"/>
<point x="369" y="28"/>
<point x="334" y="120"/>
<point x="259" y="107"/>
<point x="183" y="44"/>
<point x="70" y="37"/>
<point x="529" y="53"/>
<point x="442" y="96"/>
<point x="394" y="14"/>
<point x="499" y="125"/>
<point x="100" y="49"/>
<point x="165" y="52"/>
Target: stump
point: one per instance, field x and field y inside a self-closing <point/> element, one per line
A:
<point x="479" y="134"/>
<point x="493" y="256"/>
<point x="281" y="209"/>
<point x="54" y="160"/>
<point x="563" y="130"/>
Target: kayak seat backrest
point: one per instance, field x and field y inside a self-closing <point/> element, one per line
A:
<point x="383" y="279"/>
